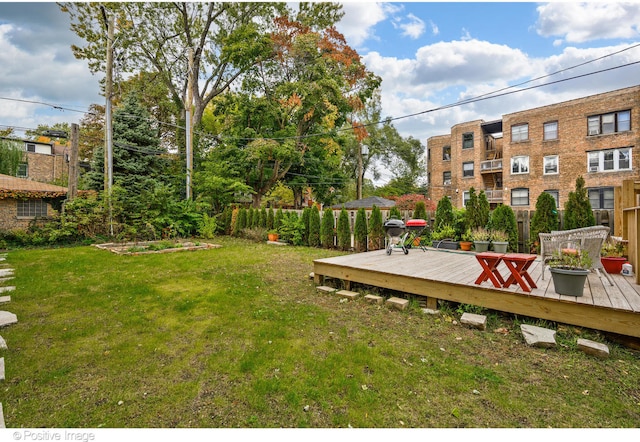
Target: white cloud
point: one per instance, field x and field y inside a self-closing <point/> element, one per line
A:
<point x="360" y="18"/>
<point x="581" y="22"/>
<point x="414" y="28"/>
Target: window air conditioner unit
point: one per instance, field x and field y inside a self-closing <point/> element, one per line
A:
<point x="593" y="168"/>
<point x="594" y="132"/>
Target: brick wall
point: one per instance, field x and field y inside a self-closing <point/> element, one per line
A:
<point x="47" y="168"/>
<point x="9" y="216"/>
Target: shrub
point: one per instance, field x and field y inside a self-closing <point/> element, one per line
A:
<point x="270" y="219"/>
<point x="577" y="210"/>
<point x="291" y="229"/>
<point x="503" y="219"/>
<point x="444" y="214"/>
<point x="421" y="211"/>
<point x="263" y="218"/>
<point x="545" y="219"/>
<point x="344" y="230"/>
<point x="483" y="210"/>
<point x="376" y="229"/>
<point x="277" y="221"/>
<point x="326" y="228"/>
<point x="306" y="213"/>
<point x="360" y="231"/>
<point x="208" y="226"/>
<point x="395" y="213"/>
<point x="314" y="227"/>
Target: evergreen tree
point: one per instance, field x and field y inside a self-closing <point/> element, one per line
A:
<point x="444" y="214"/>
<point x="577" y="209"/>
<point x="314" y="227"/>
<point x="250" y="218"/>
<point x="420" y="211"/>
<point x="306" y="214"/>
<point x="270" y="219"/>
<point x="472" y="210"/>
<point x="344" y="230"/>
<point x="277" y="221"/>
<point x="242" y="220"/>
<point x="327" y="229"/>
<point x="360" y="231"/>
<point x="484" y="209"/>
<point x="263" y="217"/>
<point x="376" y="229"/>
<point x="545" y="219"/>
<point x="394" y="212"/>
<point x="504" y="218"/>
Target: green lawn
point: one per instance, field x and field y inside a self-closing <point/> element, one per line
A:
<point x="239" y="337"/>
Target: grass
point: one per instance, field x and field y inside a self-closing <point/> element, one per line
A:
<point x="239" y="337"/>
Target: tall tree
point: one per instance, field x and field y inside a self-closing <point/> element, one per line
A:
<point x="577" y="209"/>
<point x="11" y="155"/>
<point x="310" y="87"/>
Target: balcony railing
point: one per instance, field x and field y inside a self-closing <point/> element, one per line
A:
<point x="493" y="195"/>
<point x="491" y="165"/>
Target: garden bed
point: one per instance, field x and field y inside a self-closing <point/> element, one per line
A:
<point x="147" y="247"/>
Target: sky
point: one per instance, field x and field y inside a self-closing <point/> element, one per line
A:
<point x="428" y="54"/>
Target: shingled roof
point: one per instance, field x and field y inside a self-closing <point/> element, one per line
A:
<point x="367" y="203"/>
<point x="12" y="187"/>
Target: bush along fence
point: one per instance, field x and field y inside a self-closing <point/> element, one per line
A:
<point x="327" y="235"/>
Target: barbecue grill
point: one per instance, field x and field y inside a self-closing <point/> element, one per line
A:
<point x="401" y="236"/>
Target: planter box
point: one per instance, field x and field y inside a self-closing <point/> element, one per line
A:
<point x="569" y="282"/>
<point x="481" y="246"/>
<point x="445" y="244"/>
<point x="613" y="264"/>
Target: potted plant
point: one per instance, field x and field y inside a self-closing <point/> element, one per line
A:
<point x="612" y="256"/>
<point x="481" y="239"/>
<point x="467" y="240"/>
<point x="445" y="237"/>
<point x="569" y="268"/>
<point x="273" y="235"/>
<point x="499" y="240"/>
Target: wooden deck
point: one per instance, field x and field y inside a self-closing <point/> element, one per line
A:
<point x="450" y="275"/>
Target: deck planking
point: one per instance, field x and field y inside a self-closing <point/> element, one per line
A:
<point x="451" y="275"/>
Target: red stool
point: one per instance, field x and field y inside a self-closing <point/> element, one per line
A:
<point x="518" y="264"/>
<point x="489" y="262"/>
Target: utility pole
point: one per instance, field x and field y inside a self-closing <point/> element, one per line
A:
<point x="189" y="128"/>
<point x="108" y="91"/>
<point x="73" y="164"/>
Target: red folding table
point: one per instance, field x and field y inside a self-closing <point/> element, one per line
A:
<point x="518" y="265"/>
<point x="489" y="262"/>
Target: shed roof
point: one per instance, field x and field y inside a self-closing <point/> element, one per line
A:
<point x="366" y="203"/>
<point x="11" y="186"/>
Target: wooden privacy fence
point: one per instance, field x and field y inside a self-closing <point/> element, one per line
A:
<point x="523" y="220"/>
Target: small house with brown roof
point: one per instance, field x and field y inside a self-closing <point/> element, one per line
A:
<point x="23" y="201"/>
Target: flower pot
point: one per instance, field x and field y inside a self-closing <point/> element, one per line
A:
<point x="481" y="246"/>
<point x="273" y="237"/>
<point x="612" y="264"/>
<point x="500" y="246"/>
<point x="465" y="245"/>
<point x="569" y="282"/>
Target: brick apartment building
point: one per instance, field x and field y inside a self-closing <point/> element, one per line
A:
<point x="538" y="150"/>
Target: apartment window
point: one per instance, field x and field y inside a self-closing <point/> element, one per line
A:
<point x="519" y="133"/>
<point x="551" y="165"/>
<point x="556" y="196"/>
<point x="446" y="153"/>
<point x="551" y="131"/>
<point x="609" y="160"/>
<point x="446" y="178"/>
<point x="520" y="197"/>
<point x="31" y="147"/>
<point x="467" y="140"/>
<point x="601" y="197"/>
<point x="520" y="164"/>
<point x="465" y="198"/>
<point x="467" y="169"/>
<point x="23" y="170"/>
<point x="32" y="208"/>
<point x="609" y="123"/>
